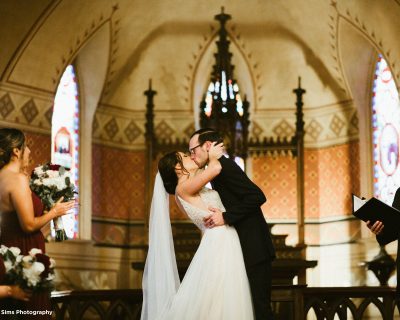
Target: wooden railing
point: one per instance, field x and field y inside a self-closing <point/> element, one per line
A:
<point x="97" y="304"/>
<point x="351" y="303"/>
<point x="289" y="302"/>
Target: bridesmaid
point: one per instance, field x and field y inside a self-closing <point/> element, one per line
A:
<point x="22" y="213"/>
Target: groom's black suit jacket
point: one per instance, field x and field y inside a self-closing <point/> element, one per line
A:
<point x="242" y="200"/>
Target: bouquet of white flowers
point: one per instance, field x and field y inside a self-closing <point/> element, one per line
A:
<point x="50" y="182"/>
<point x="34" y="271"/>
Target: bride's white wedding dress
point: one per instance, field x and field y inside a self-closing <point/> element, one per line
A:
<point x="215" y="285"/>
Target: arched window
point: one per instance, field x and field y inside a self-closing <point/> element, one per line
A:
<point x="65" y="137"/>
<point x="385" y="133"/>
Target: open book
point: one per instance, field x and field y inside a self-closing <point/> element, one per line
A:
<point x="375" y="210"/>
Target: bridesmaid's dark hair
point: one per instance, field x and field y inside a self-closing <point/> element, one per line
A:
<point x="10" y="138"/>
<point x="166" y="167"/>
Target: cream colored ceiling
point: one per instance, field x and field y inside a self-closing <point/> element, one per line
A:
<point x="330" y="44"/>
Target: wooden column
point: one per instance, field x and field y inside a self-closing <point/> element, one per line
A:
<point x="150" y="146"/>
<point x="300" y="173"/>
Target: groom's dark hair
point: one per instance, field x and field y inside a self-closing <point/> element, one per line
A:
<point x="207" y="134"/>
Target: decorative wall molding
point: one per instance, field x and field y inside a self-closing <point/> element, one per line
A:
<point x="325" y="126"/>
<point x="364" y="27"/>
<point x="26" y="109"/>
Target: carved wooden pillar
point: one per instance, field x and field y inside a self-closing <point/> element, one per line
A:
<point x="150" y="146"/>
<point x="300" y="173"/>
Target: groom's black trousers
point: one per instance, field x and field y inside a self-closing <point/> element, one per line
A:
<point x="260" y="285"/>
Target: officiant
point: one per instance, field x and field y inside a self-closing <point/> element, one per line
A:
<point x="385" y="238"/>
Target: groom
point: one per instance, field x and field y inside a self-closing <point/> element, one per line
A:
<point x="242" y="200"/>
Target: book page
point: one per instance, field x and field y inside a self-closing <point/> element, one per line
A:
<point x="358" y="203"/>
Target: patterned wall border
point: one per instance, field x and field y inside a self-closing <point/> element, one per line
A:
<point x="26" y="108"/>
<point x="124" y="129"/>
<point x="325" y="126"/>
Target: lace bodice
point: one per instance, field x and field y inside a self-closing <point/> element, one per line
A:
<point x="210" y="198"/>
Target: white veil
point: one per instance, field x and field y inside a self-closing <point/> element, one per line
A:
<point x="160" y="278"/>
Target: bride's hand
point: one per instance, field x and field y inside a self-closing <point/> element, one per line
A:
<point x="216" y="150"/>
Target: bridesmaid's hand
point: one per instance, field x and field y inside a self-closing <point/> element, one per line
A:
<point x="61" y="208"/>
<point x="376" y="228"/>
<point x="17" y="293"/>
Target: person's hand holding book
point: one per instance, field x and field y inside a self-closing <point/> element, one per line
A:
<point x="376" y="228"/>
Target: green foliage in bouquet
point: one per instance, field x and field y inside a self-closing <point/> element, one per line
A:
<point x="34" y="271"/>
<point x="50" y="182"/>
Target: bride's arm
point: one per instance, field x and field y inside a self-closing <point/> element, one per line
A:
<point x="194" y="185"/>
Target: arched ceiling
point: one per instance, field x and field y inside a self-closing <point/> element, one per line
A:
<point x="278" y="41"/>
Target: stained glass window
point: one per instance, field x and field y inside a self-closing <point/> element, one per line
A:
<point x="226" y="87"/>
<point x="65" y="137"/>
<point x="224" y="90"/>
<point x="385" y="133"/>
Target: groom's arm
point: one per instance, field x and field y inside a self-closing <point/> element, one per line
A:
<point x="238" y="183"/>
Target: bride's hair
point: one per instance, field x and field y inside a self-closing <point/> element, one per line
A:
<point x="10" y="138"/>
<point x="166" y="167"/>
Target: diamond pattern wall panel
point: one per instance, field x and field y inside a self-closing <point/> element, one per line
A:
<point x="6" y="105"/>
<point x="331" y="176"/>
<point x="118" y="183"/>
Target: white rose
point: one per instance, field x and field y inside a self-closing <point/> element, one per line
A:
<point x="32" y="274"/>
<point x="47" y="182"/>
<point x="52" y="263"/>
<point x="52" y="173"/>
<point x="67" y="174"/>
<point x="38" y="267"/>
<point x="37" y="182"/>
<point x="50" y="277"/>
<point x="34" y="252"/>
<point x="3" y="249"/>
<point x="39" y="171"/>
<point x="19" y="259"/>
<point x="15" y="251"/>
<point x="27" y="261"/>
<point x="8" y="265"/>
<point x="61" y="185"/>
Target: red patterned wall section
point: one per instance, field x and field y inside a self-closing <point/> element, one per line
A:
<point x="40" y="145"/>
<point x="118" y="183"/>
<point x="331" y="176"/>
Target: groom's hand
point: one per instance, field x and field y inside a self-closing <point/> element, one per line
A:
<point x="216" y="219"/>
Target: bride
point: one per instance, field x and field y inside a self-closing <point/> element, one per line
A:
<point x="215" y="285"/>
